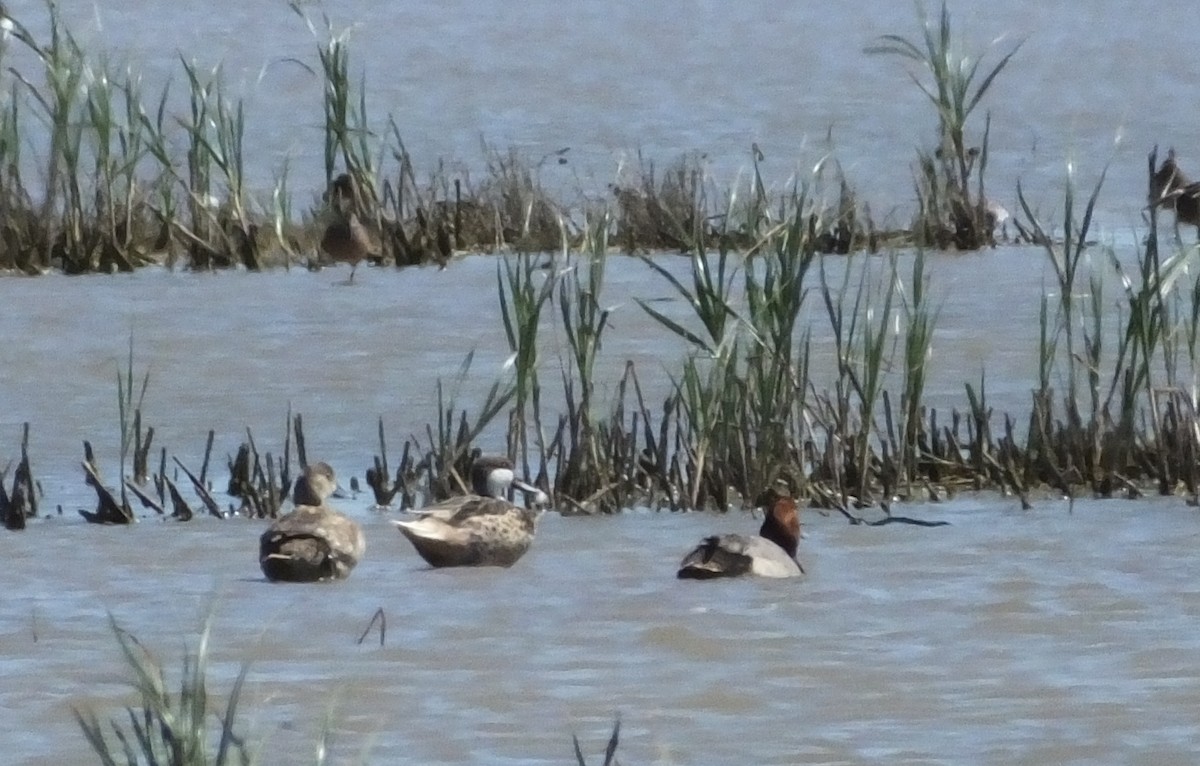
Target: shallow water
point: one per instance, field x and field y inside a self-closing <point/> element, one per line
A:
<point x="1043" y="637"/>
<point x="1035" y="637"/>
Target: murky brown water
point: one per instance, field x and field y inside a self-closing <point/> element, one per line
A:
<point x="1042" y="637"/>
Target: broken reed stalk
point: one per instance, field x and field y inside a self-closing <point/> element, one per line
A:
<point x="610" y="750"/>
<point x="109" y="510"/>
<point x="210" y="503"/>
<point x="21" y="503"/>
<point x="383" y="486"/>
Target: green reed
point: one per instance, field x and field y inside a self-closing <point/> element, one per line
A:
<point x="186" y="725"/>
<point x="347" y="135"/>
<point x="167" y="727"/>
<point x="57" y="101"/>
<point x="920" y="319"/>
<point x="1066" y="258"/>
<point x="220" y="232"/>
<point x="129" y="413"/>
<point x="713" y="280"/>
<point x="450" y="449"/>
<point x="525" y="290"/>
<point x="951" y="213"/>
<point x="777" y="367"/>
<point x="584" y="319"/>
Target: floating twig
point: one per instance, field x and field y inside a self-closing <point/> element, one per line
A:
<point x="382" y="619"/>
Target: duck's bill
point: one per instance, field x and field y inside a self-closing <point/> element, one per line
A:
<point x="340" y="493"/>
<point x="536" y="497"/>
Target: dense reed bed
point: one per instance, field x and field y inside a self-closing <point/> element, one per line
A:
<point x="127" y="176"/>
<point x="1112" y="411"/>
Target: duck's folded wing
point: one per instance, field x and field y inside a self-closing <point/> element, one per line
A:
<point x="458" y="509"/>
<point x="737" y="555"/>
<point x="443" y="510"/>
<point x="441" y="544"/>
<point x="717" y="556"/>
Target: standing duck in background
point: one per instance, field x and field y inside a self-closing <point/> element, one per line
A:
<point x="1172" y="190"/>
<point x="771" y="554"/>
<point x="482" y="529"/>
<point x="313" y="542"/>
<point x="346" y="239"/>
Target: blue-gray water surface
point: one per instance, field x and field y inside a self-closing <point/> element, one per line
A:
<point x="1047" y="636"/>
<point x="1053" y="636"/>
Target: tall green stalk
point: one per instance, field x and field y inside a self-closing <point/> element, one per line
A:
<point x="524" y="290"/>
<point x="919" y="319"/>
<point x="957" y="88"/>
<point x="129" y="411"/>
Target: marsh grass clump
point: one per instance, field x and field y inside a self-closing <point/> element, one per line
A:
<point x="122" y="180"/>
<point x="953" y="209"/>
<point x="89" y="209"/>
<point x="450" y="448"/>
<point x="585" y="451"/>
<point x="527" y="219"/>
<point x="1094" y="431"/>
<point x="261" y="482"/>
<point x="664" y="211"/>
<point x="179" y="728"/>
<point x="220" y="231"/>
<point x="384" y="486"/>
<point x="188" y="725"/>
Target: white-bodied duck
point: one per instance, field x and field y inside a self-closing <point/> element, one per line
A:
<point x="770" y="554"/>
<point x="313" y="542"/>
<point x="483" y="529"/>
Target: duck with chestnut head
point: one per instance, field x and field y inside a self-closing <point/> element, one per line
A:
<point x="772" y="553"/>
